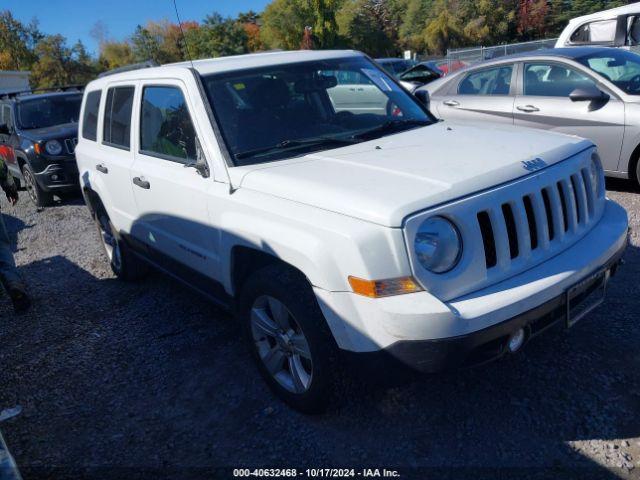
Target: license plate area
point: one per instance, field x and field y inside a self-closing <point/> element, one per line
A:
<point x="585" y="296"/>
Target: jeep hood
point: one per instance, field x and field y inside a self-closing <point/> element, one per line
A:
<point x="385" y="180"/>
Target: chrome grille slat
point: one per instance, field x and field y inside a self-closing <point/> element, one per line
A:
<point x="556" y="213"/>
<point x="541" y="219"/>
<point x="522" y="227"/>
<point x="570" y="202"/>
<point x="501" y="237"/>
<point x="586" y="178"/>
<point x="581" y="194"/>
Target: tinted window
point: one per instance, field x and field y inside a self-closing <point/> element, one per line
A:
<point x="166" y="129"/>
<point x="90" y="118"/>
<point x="48" y="111"/>
<point x="117" y="117"/>
<point x="551" y="80"/>
<point x="492" y="81"/>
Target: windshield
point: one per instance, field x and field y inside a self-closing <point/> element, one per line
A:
<point x="621" y="67"/>
<point x="49" y="111"/>
<point x="287" y="110"/>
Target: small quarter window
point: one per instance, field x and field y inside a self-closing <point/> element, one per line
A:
<point x="166" y="129"/>
<point x="117" y="117"/>
<point x="90" y="117"/>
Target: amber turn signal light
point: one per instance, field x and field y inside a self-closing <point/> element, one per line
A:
<point x="384" y="288"/>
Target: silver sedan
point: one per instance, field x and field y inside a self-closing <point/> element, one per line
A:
<point x="591" y="92"/>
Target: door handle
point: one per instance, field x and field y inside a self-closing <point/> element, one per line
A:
<point x="101" y="168"/>
<point x="528" y="108"/>
<point x="451" y="103"/>
<point x="141" y="182"/>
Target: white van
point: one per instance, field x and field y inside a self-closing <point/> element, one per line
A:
<point x="617" y="27"/>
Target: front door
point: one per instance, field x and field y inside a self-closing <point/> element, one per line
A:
<point x="171" y="196"/>
<point x="545" y="104"/>
<point x="480" y="96"/>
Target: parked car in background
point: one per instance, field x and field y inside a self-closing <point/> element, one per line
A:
<point x="418" y="76"/>
<point x="38" y="133"/>
<point x="386" y="238"/>
<point x="395" y="66"/>
<point x="591" y="92"/>
<point x="445" y="66"/>
<point x="616" y="27"/>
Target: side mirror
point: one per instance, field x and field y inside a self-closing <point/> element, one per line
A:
<point x="588" y="94"/>
<point x="423" y="97"/>
<point x="4" y="129"/>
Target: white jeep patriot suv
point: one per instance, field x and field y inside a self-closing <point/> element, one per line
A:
<point x="313" y="196"/>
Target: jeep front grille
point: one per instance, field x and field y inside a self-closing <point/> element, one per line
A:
<point x="70" y="145"/>
<point x="535" y="220"/>
<point x="513" y="227"/>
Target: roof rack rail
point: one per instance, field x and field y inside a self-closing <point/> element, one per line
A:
<point x="129" y="68"/>
<point x="58" y="88"/>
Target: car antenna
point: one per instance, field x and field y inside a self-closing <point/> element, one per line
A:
<point x="184" y="39"/>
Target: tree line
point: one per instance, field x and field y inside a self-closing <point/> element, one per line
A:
<point x="377" y="27"/>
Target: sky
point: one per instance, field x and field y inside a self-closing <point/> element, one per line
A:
<point x="75" y="18"/>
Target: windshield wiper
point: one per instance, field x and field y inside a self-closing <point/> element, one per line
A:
<point x="292" y="144"/>
<point x="390" y="127"/>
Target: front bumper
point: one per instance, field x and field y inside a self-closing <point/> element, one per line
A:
<point x="428" y="335"/>
<point x="59" y="176"/>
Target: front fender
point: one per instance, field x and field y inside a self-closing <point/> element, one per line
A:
<point x="326" y="246"/>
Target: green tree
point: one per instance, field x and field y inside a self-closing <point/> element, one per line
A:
<point x="444" y="30"/>
<point x="362" y="28"/>
<point x="57" y="64"/>
<point x="16" y="42"/>
<point x="283" y="23"/>
<point x="217" y="36"/>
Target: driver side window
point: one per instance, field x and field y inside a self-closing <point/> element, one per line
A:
<point x="553" y="80"/>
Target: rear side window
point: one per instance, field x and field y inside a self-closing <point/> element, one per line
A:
<point x="90" y="117"/>
<point x="491" y="81"/>
<point x="117" y="117"/>
<point x="603" y="31"/>
<point x="166" y="129"/>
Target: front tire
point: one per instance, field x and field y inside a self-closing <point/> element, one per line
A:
<point x="124" y="264"/>
<point x="38" y="196"/>
<point x="289" y="338"/>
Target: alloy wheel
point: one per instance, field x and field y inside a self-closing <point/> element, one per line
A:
<point x="30" y="185"/>
<point x="281" y="344"/>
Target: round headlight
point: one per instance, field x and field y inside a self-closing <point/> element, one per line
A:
<point x="597" y="175"/>
<point x="438" y="245"/>
<point x="53" y="147"/>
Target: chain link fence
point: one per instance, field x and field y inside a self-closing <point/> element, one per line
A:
<point x="478" y="54"/>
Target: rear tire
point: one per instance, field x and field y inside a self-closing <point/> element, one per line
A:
<point x="289" y="339"/>
<point x="38" y="196"/>
<point x="124" y="264"/>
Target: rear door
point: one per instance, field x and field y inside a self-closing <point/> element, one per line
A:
<point x="171" y="196"/>
<point x="544" y="103"/>
<point x="480" y="95"/>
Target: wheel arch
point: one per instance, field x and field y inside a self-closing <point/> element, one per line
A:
<point x="632" y="169"/>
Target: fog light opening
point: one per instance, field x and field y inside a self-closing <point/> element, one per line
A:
<point x="516" y="341"/>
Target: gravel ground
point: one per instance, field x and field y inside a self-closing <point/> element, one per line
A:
<point x="120" y="380"/>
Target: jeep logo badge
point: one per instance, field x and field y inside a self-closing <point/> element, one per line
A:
<point x="534" y="165"/>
